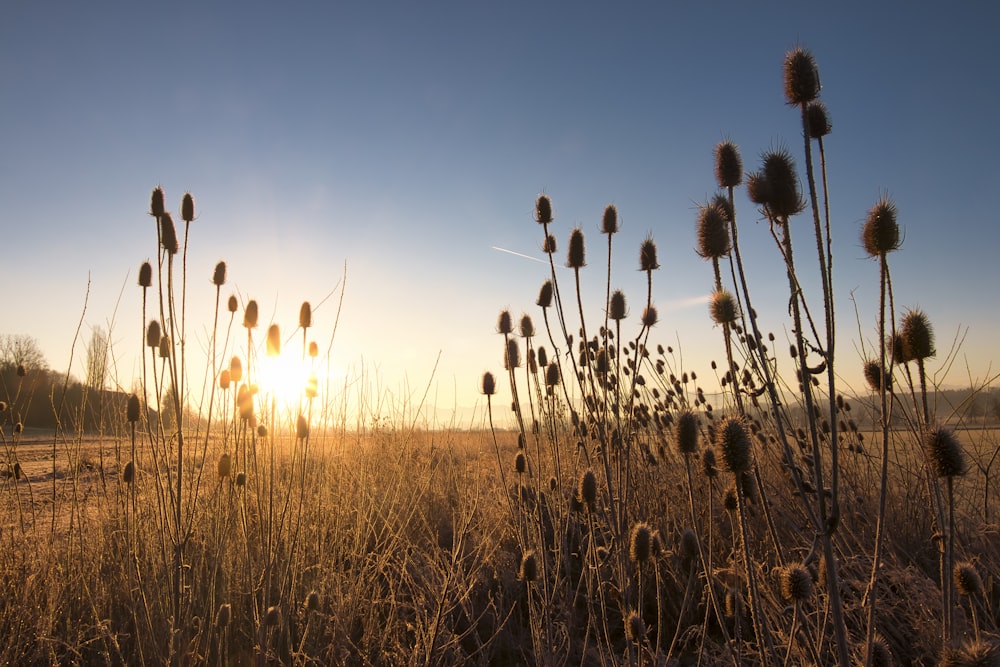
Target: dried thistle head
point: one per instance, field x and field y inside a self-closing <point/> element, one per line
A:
<point x="250" y="314"/>
<point x="512" y="355"/>
<point x="649" y="316"/>
<point x="708" y="464"/>
<point x="876" y="376"/>
<point x="273" y="616"/>
<point x="689" y="549"/>
<point x="713" y="231"/>
<point x="145" y="274"/>
<point x="758" y="189"/>
<point x="301" y="428"/>
<point x="233" y="305"/>
<point x="796" y="583"/>
<point x="967" y="579"/>
<point x="617" y="308"/>
<point x="801" y="77"/>
<point x="918" y="336"/>
<point x="313" y="349"/>
<point x="527" y="327"/>
<point x="128" y="475"/>
<point x="549" y="244"/>
<point x="528" y="571"/>
<point x="818" y="120"/>
<point x="153" y="334"/>
<point x="273" y="340"/>
<point x="635" y="627"/>
<point x="647" y="255"/>
<point x="881" y="654"/>
<point x="545" y="295"/>
<point x="686" y="432"/>
<point x="728" y="164"/>
<point x="224" y="379"/>
<point x="488" y="386"/>
<point x="520" y="463"/>
<point x="609" y="221"/>
<point x="543" y="210"/>
<point x="552" y="375"/>
<point x="576" y="258"/>
<point x="187" y="207"/>
<point x="235" y="369"/>
<point x="164" y="346"/>
<point x="156" y="206"/>
<point x="977" y="653"/>
<point x="132" y="409"/>
<point x="305" y="315"/>
<point x="168" y="233"/>
<point x="944" y="453"/>
<point x="784" y="196"/>
<point x="224" y="466"/>
<point x="505" y="323"/>
<point x="733" y="440"/>
<point x="640" y="543"/>
<point x="880" y="233"/>
<point x="723" y="307"/>
<point x="588" y="489"/>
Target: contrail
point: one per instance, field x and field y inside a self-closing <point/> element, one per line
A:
<point x="511" y="252"/>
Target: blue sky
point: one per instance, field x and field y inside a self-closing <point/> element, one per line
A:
<point x="408" y="139"/>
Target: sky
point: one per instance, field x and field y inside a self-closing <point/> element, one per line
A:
<point x="400" y="144"/>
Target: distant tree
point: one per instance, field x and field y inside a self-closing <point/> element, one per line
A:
<point x="20" y="349"/>
<point x="97" y="359"/>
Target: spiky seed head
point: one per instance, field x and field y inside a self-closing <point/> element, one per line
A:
<point x="312" y="601"/>
<point x="313" y="349"/>
<point x="967" y="579"/>
<point x="164" y="347"/>
<point x="168" y="233"/>
<point x="527" y="327"/>
<point x="545" y="295"/>
<point x="647" y="255"/>
<point x="898" y="349"/>
<point x="505" y="323"/>
<point x="588" y="489"/>
<point x="225" y="466"/>
<point x="528" y="571"/>
<point x="132" y="409"/>
<point x="543" y="357"/>
<point x="273" y="340"/>
<point x="734" y="442"/>
<point x="225" y="379"/>
<point x="649" y="316"/>
<point x="549" y="245"/>
<point x="635" y="627"/>
<point x="223" y="615"/>
<point x="128" y="476"/>
<point x="730" y="500"/>
<point x="758" y="189"/>
<point x="187" y="207"/>
<point x="881" y="655"/>
<point x="250" y="314"/>
<point x="918" y="336"/>
<point x="796" y="583"/>
<point x="876" y="376"/>
<point x="801" y="77"/>
<point x="153" y="334"/>
<point x="880" y="233"/>
<point x="971" y="654"/>
<point x="723" y="307"/>
<point x="156" y="206"/>
<point x="489" y="384"/>
<point x="784" y="196"/>
<point x="944" y="453"/>
<point x="818" y="120"/>
<point x="219" y="275"/>
<point x="512" y="355"/>
<point x="520" y="463"/>
<point x="609" y="221"/>
<point x="235" y="369"/>
<point x="617" y="309"/>
<point x="552" y="375"/>
<point x="233" y="304"/>
<point x="708" y="464"/>
<point x="640" y="543"/>
<point x="713" y="231"/>
<point x="543" y="210"/>
<point x="145" y="274"/>
<point x="728" y="164"/>
<point x="686" y="432"/>
<point x="576" y="258"/>
<point x="301" y="428"/>
<point x="273" y="616"/>
<point x="241" y="479"/>
<point x="305" y="315"/>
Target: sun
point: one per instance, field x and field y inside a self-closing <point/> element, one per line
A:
<point x="289" y="380"/>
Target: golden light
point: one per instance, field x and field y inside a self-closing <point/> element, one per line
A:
<point x="288" y="380"/>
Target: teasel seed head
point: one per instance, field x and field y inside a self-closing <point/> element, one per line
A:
<point x="543" y="210"/>
<point x="723" y="307"/>
<point x="647" y="255"/>
<point x="156" y="206"/>
<point x="967" y="579"/>
<point x="609" y="221"/>
<point x="187" y="207"/>
<point x="505" y="323"/>
<point x="273" y="616"/>
<point x="128" y="476"/>
<point x="576" y="258"/>
<point x="758" y="189"/>
<point x="261" y="430"/>
<point x="164" y="346"/>
<point x="880" y="234"/>
<point x="881" y="655"/>
<point x="728" y="165"/>
<point x="312" y="601"/>
<point x="686" y="432"/>
<point x="801" y="77"/>
<point x="313" y="349"/>
<point x="527" y="327"/>
<point x="543" y="357"/>
<point x="640" y="543"/>
<point x="734" y="442"/>
<point x="617" y="309"/>
<point x="241" y="479"/>
<point x="818" y="120"/>
<point x="250" y="314"/>
<point x="796" y="583"/>
<point x="273" y="340"/>
<point x="305" y="315"/>
<point x="713" y="231"/>
<point x="520" y="463"/>
<point x="225" y="379"/>
<point x="244" y="401"/>
<point x="545" y="295"/>
<point x="145" y="274"/>
<point x="708" y="464"/>
<point x="944" y="453"/>
<point x="784" y="196"/>
<point x="301" y="428"/>
<point x="219" y="275"/>
<point x="689" y="549"/>
<point x="635" y="627"/>
<point x="233" y="305"/>
<point x="549" y="245"/>
<point x="168" y="233"/>
<point x="512" y="355"/>
<point x="552" y="375"/>
<point x="918" y="336"/>
<point x="898" y="349"/>
<point x="235" y="369"/>
<point x="649" y="316"/>
<point x="132" y="409"/>
<point x="489" y="384"/>
<point x="528" y="571"/>
<point x="223" y="615"/>
<point x="975" y="653"/>
<point x="153" y="334"/>
<point x="588" y="489"/>
<point x="225" y="466"/>
<point x="731" y="501"/>
<point x="877" y="377"/>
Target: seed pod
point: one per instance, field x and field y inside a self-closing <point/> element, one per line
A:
<point x="233" y="304"/>
<point x="225" y="466"/>
<point x="273" y="616"/>
<point x="520" y="463"/>
<point x="713" y="232"/>
<point x="549" y="245"/>
<point x="551" y="375"/>
<point x="732" y="439"/>
<point x="818" y="120"/>
<point x="944" y="453"/>
<point x="877" y="377"/>
<point x="635" y="627"/>
<point x="156" y="207"/>
<point x="164" y="347"/>
<point x="617" y="309"/>
<point x="880" y="233"/>
<point x="728" y="165"/>
<point x="609" y="221"/>
<point x="528" y="571"/>
<point x="153" y="334"/>
<point x="758" y="189"/>
<point x="708" y="465"/>
<point x="224" y="379"/>
<point x="881" y="655"/>
<point x="545" y="295"/>
<point x="168" y="234"/>
<point x="588" y="489"/>
<point x="187" y="207"/>
<point x="235" y="369"/>
<point x="918" y="336"/>
<point x="527" y="327"/>
<point x="219" y="275"/>
<point x="312" y="601"/>
<point x="576" y="258"/>
<point x="784" y="196"/>
<point x="640" y="543"/>
<point x="967" y="579"/>
<point x="512" y="355"/>
<point x="796" y="583"/>
<point x="250" y="315"/>
<point x="649" y="316"/>
<point x="128" y="476"/>
<point x="505" y="323"/>
<point x="686" y="432"/>
<point x="241" y="479"/>
<point x="145" y="274"/>
<point x="801" y="77"/>
<point x="132" y="409"/>
<point x="301" y="428"/>
<point x="543" y="357"/>
<point x="488" y="385"/>
<point x="689" y="549"/>
<point x="305" y="315"/>
<point x="543" y="210"/>
<point x="273" y="341"/>
<point x="647" y="255"/>
<point x="723" y="307"/>
<point x="313" y="349"/>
